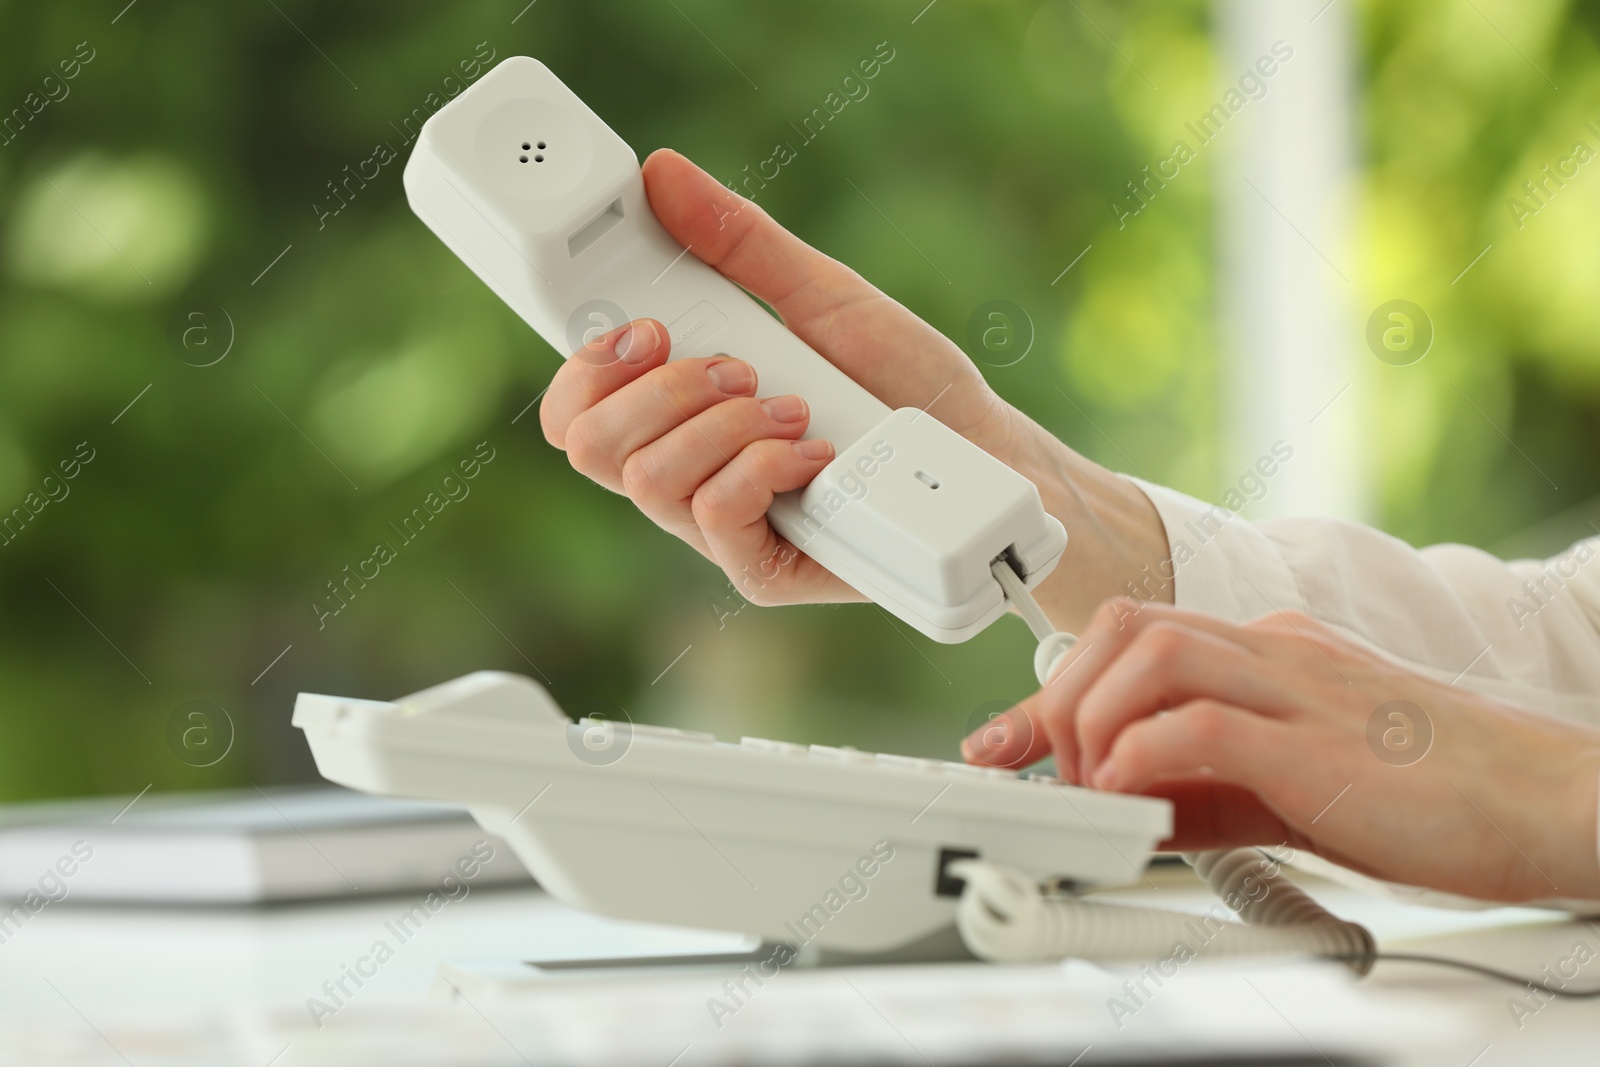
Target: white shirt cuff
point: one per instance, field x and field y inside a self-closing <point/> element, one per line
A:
<point x="1220" y="564"/>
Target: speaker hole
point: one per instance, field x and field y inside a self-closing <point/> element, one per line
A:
<point x="526" y="146"/>
<point x="538" y="159"/>
<point x="541" y="145"/>
<point x="523" y="158"/>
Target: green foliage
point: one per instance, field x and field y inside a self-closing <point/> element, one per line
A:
<point x="189" y="160"/>
<point x="1465" y="104"/>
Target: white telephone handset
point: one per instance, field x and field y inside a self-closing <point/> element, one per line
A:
<point x="547" y="205"/>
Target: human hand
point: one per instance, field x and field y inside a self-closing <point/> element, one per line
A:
<point x="689" y="442"/>
<point x="701" y="456"/>
<point x="1282" y="730"/>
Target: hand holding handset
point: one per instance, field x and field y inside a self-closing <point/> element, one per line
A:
<point x="547" y="205"/>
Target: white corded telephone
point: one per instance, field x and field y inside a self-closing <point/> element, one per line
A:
<point x="853" y="852"/>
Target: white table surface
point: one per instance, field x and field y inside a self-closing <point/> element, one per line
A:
<point x="89" y="985"/>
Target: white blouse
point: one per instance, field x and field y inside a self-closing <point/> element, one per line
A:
<point x="1526" y="631"/>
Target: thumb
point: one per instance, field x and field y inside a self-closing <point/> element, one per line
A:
<point x="893" y="354"/>
<point x="745" y="244"/>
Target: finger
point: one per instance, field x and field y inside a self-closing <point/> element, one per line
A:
<point x="730" y="508"/>
<point x="1168" y="664"/>
<point x="598" y="369"/>
<point x="1205" y="737"/>
<point x="1043" y="723"/>
<point x="1013" y="740"/>
<point x="661" y="478"/>
<point x="1311" y="644"/>
<point x="742" y="241"/>
<point x="601" y="439"/>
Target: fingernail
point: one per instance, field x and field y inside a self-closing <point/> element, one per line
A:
<point x="813" y="449"/>
<point x="993" y="743"/>
<point x="785" y="408"/>
<point x="1106" y="777"/>
<point x="733" y="376"/>
<point x="637" y="343"/>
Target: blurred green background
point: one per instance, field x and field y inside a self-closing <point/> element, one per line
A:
<point x="180" y="169"/>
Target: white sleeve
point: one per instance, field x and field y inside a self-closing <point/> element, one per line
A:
<point x="1526" y="631"/>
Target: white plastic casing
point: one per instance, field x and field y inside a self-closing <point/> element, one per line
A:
<point x="563" y="233"/>
<point x="667" y="826"/>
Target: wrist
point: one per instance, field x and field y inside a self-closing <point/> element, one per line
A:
<point x="1114" y="533"/>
